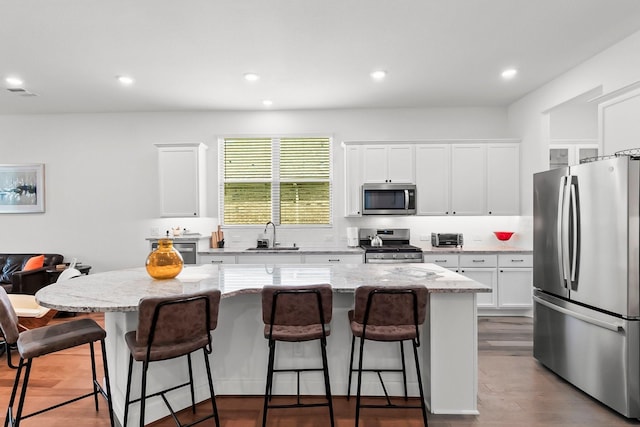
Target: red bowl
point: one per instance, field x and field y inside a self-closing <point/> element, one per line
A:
<point x="503" y="235"/>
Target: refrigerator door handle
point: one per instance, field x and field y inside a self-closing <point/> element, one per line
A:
<point x="559" y="229"/>
<point x="610" y="326"/>
<point x="563" y="231"/>
<point x="574" y="232"/>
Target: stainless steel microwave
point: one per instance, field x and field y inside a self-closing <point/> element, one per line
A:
<point x="388" y="199"/>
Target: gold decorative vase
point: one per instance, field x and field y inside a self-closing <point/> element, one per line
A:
<point x="165" y="262"/>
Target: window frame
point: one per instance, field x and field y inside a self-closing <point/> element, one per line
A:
<point x="275" y="180"/>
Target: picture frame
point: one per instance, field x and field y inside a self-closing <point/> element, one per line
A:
<point x="21" y="188"/>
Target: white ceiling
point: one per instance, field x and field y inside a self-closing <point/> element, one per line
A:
<point x="190" y="55"/>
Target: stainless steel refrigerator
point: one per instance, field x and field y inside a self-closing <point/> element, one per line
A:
<point x="586" y="278"/>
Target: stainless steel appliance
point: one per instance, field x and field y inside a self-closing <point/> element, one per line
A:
<point x="188" y="250"/>
<point x="395" y="247"/>
<point x="446" y="240"/>
<point x="586" y="278"/>
<point x="388" y="199"/>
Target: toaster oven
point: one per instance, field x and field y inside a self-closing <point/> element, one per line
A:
<point x="446" y="240"/>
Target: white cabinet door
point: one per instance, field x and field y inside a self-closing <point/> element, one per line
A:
<point x="401" y="163"/>
<point x="449" y="261"/>
<point x="563" y="155"/>
<point x="503" y="179"/>
<point x="388" y="163"/>
<point x="216" y="259"/>
<point x="515" y="287"/>
<point x="353" y="179"/>
<point x="488" y="277"/>
<point x="433" y="188"/>
<point x="334" y="259"/>
<point x="468" y="179"/>
<point x="182" y="179"/>
<point x="269" y="259"/>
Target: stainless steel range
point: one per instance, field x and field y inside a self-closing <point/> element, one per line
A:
<point x="391" y="247"/>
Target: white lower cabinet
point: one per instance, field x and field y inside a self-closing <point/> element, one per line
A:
<point x="333" y="259"/>
<point x="510" y="277"/>
<point x="515" y="281"/>
<point x="269" y="259"/>
<point x="217" y="259"/>
<point x="482" y="268"/>
<point x="449" y="261"/>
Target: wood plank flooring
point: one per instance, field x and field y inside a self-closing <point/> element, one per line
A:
<point x="513" y="390"/>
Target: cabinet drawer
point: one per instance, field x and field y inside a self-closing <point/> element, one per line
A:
<point x="478" y="260"/>
<point x="217" y="259"/>
<point x="446" y="260"/>
<point x="515" y="260"/>
<point x="333" y="259"/>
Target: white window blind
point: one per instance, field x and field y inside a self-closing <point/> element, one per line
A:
<point x="284" y="180"/>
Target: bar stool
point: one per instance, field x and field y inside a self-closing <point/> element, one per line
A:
<point x="171" y="327"/>
<point x="45" y="340"/>
<point x="297" y="314"/>
<point x="387" y="314"/>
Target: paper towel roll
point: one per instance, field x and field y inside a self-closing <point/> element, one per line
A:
<point x="352" y="237"/>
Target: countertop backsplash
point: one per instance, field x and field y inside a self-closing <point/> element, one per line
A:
<point x="477" y="231"/>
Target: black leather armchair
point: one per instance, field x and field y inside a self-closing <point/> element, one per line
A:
<point x="16" y="281"/>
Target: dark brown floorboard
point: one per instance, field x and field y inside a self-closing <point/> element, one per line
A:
<point x="513" y="390"/>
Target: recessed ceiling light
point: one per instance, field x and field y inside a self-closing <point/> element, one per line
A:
<point x="14" y="81"/>
<point x="509" y="73"/>
<point x="251" y="77"/>
<point x="125" y="80"/>
<point x="267" y="103"/>
<point x="378" y="75"/>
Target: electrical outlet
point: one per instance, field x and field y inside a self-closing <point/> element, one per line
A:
<point x="155" y="231"/>
<point x="425" y="238"/>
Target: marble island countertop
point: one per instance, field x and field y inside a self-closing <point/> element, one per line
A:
<point x="121" y="290"/>
<point x="309" y="250"/>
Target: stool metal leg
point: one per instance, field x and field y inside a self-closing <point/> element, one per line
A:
<point x="419" y="374"/>
<point x="193" y="395"/>
<point x="128" y="393"/>
<point x="267" y="392"/>
<point x="359" y="380"/>
<point x="214" y="405"/>
<point x="404" y="371"/>
<point x="327" y="384"/>
<point x="107" y="382"/>
<point x="353" y="343"/>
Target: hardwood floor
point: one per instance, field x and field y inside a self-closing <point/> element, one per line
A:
<point x="513" y="390"/>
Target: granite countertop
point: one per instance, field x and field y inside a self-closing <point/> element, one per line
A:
<point x="307" y="250"/>
<point x="121" y="290"/>
<point x="477" y="250"/>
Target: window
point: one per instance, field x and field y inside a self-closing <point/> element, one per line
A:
<point x="284" y="180"/>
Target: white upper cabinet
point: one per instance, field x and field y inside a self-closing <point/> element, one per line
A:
<point x="479" y="177"/>
<point x="433" y="184"/>
<point x="503" y="183"/>
<point x="353" y="179"/>
<point x="182" y="177"/>
<point x="468" y="179"/>
<point x="388" y="163"/>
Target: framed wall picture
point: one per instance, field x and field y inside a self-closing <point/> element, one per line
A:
<point x="22" y="188"/>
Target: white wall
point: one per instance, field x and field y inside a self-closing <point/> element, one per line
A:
<point x="612" y="69"/>
<point x="101" y="172"/>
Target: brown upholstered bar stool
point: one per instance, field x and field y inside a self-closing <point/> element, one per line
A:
<point x="45" y="340"/>
<point x="387" y="314"/>
<point x="297" y="314"/>
<point x="171" y="327"/>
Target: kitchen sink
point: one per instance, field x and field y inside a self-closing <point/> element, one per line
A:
<point x="276" y="249"/>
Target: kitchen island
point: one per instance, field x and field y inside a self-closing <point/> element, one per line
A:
<point x="239" y="359"/>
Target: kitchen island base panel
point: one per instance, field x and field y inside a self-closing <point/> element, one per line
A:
<point x="239" y="358"/>
<point x="450" y="354"/>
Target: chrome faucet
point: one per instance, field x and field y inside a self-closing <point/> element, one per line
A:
<point x="273" y="245"/>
